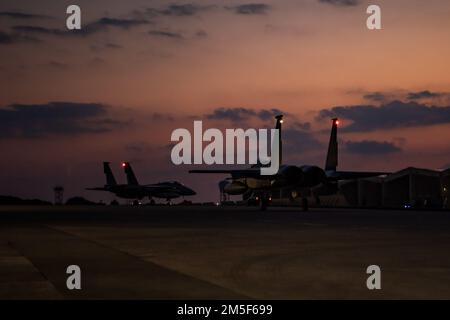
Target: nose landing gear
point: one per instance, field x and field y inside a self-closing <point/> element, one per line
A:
<point x="294" y="194"/>
<point x="264" y="202"/>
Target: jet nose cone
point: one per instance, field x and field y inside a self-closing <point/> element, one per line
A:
<point x="190" y="192"/>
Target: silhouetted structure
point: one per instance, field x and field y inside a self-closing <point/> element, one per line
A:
<point x="363" y="192"/>
<point x="445" y="185"/>
<point x="413" y="187"/>
<point x="134" y="191"/>
<point x="288" y="178"/>
<point x="59" y="195"/>
<point x="407" y="188"/>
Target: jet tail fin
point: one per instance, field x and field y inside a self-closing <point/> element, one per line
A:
<point x="278" y="124"/>
<point x="332" y="155"/>
<point x="332" y="161"/>
<point x="131" y="178"/>
<point x="280" y="141"/>
<point x="110" y="180"/>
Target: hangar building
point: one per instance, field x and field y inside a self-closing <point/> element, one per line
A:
<point x="407" y="188"/>
<point x="419" y="188"/>
<point x="445" y="184"/>
<point x="410" y="187"/>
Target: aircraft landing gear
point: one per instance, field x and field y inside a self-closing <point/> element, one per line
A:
<point x="264" y="202"/>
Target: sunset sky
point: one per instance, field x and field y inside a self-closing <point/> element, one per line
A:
<point x="139" y="69"/>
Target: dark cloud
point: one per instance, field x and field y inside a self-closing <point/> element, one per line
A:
<point x="55" y="118"/>
<point x="183" y="10"/>
<point x="13" y="38"/>
<point x="371" y="147"/>
<point x="297" y="136"/>
<point x="200" y="34"/>
<point x="250" y="9"/>
<point x="39" y="30"/>
<point x="269" y="114"/>
<point x="119" y="23"/>
<point x="89" y="29"/>
<point x="243" y="114"/>
<point x="297" y="141"/>
<point x="423" y="95"/>
<point x="21" y="15"/>
<point x="375" y="96"/>
<point x="341" y="3"/>
<point x="6" y="38"/>
<point x="166" y="34"/>
<point x="302" y="125"/>
<point x="396" y="114"/>
<point x="174" y="10"/>
<point x="232" y="114"/>
<point x="387" y="96"/>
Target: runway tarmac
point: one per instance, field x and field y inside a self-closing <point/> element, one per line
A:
<point x="206" y="252"/>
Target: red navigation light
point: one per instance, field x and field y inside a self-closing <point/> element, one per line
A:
<point x="124" y="164"/>
<point x="337" y="122"/>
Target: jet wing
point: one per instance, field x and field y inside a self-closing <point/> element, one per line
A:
<point x="155" y="187"/>
<point x="237" y="173"/>
<point x="163" y="188"/>
<point x="349" y="175"/>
